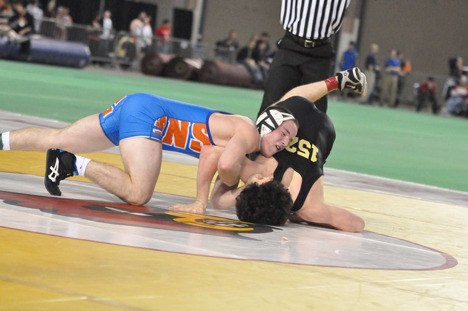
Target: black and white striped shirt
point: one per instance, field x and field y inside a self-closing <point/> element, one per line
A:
<point x="313" y="19"/>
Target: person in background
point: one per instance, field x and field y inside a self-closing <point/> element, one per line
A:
<point x="457" y="102"/>
<point x="226" y="49"/>
<point x="136" y="30"/>
<point x="427" y="92"/>
<point x="63" y="20"/>
<point x="21" y="25"/>
<point x="406" y="68"/>
<point x="305" y="53"/>
<point x="390" y="79"/>
<point x="371" y="70"/>
<point x="348" y="61"/>
<point x="147" y="34"/>
<point x="163" y="31"/>
<point x="34" y="8"/>
<point x="245" y="57"/>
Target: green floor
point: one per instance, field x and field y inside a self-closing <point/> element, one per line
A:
<point x="377" y="141"/>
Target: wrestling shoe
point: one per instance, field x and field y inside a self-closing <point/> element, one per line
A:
<point x="60" y="164"/>
<point x="352" y="79"/>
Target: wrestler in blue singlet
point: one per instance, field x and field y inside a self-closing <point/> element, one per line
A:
<point x="178" y="126"/>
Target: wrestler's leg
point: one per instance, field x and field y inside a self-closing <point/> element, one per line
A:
<point x="142" y="161"/>
<point x="85" y="135"/>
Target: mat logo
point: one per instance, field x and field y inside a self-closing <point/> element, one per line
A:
<point x="137" y="216"/>
<point x="212" y="222"/>
<point x="303" y="148"/>
<point x="182" y="134"/>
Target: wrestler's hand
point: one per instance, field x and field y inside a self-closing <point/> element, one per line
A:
<point x="196" y="207"/>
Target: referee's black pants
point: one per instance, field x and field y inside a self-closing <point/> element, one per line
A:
<point x="295" y="65"/>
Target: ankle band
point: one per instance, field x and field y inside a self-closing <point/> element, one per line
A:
<point x="332" y="83"/>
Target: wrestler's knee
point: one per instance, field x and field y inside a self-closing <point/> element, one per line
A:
<point x="136" y="197"/>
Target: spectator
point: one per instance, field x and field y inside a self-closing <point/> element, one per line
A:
<point x="163" y="32"/>
<point x="63" y="21"/>
<point x="262" y="48"/>
<point x="456" y="70"/>
<point x="106" y="35"/>
<point x="372" y="70"/>
<point x="457" y="103"/>
<point x="305" y="53"/>
<point x="227" y="48"/>
<point x="245" y="56"/>
<point x="146" y="34"/>
<point x="390" y="79"/>
<point x="107" y="26"/>
<point x="348" y="61"/>
<point x="427" y="91"/>
<point x="51" y="11"/>
<point x="136" y="30"/>
<point x="406" y="68"/>
<point x="5" y="14"/>
<point x="456" y="67"/>
<point x="94" y="33"/>
<point x="34" y="8"/>
<point x="21" y="25"/>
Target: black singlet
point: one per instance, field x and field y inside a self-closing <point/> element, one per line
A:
<point x="309" y="150"/>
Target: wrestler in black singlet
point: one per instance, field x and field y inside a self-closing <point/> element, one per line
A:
<point x="311" y="147"/>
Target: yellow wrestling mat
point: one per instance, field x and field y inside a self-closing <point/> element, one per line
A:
<point x="88" y="251"/>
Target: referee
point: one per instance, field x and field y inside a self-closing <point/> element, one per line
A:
<point x="305" y="53"/>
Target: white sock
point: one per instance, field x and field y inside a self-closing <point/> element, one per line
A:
<point x="81" y="163"/>
<point x="6" y="140"/>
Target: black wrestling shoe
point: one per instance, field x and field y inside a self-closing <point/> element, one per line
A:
<point x="60" y="164"/>
<point x="352" y="79"/>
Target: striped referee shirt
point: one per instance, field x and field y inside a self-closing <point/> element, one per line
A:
<point x="313" y="19"/>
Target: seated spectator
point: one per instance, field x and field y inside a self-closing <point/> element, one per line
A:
<point x="21" y="26"/>
<point x="245" y="56"/>
<point x="456" y="67"/>
<point x="427" y="91"/>
<point x="457" y="103"/>
<point x="456" y="70"/>
<point x="262" y="52"/>
<point x="5" y="11"/>
<point x="226" y="48"/>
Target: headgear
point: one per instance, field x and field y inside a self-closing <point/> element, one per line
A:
<point x="271" y="119"/>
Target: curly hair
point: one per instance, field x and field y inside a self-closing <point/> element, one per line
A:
<point x="269" y="203"/>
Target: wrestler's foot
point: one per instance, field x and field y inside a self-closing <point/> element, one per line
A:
<point x="352" y="79"/>
<point x="60" y="164"/>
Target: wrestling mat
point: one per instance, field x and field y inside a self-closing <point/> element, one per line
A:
<point x="87" y="250"/>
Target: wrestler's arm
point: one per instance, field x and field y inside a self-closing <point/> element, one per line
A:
<point x="316" y="212"/>
<point x="207" y="166"/>
<point x="244" y="141"/>
<point x="312" y="91"/>
<point x="224" y="196"/>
